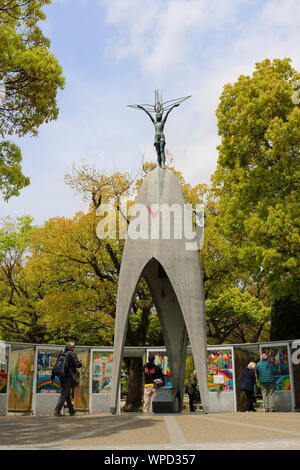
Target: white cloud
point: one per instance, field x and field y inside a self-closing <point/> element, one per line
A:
<point x="160" y="34"/>
<point x="196" y="46"/>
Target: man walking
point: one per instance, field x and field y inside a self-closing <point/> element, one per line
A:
<point x="152" y="373"/>
<point x="265" y="375"/>
<point x="72" y="363"/>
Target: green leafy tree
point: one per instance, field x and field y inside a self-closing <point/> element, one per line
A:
<point x="19" y="319"/>
<point x="29" y="79"/>
<point x="78" y="278"/>
<point x="236" y="317"/>
<point x="257" y="179"/>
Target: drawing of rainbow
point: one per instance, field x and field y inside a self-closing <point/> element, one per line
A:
<point x="100" y="384"/>
<point x="103" y="382"/>
<point x="47" y="385"/>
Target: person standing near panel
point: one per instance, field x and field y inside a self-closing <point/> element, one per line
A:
<point x="153" y="380"/>
<point x="192" y="390"/>
<point x="265" y="375"/>
<point x="247" y="383"/>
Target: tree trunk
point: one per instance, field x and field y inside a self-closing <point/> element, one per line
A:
<point x="134" y="393"/>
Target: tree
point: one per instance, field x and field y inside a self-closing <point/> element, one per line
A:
<point x="257" y="179"/>
<point x="29" y="79"/>
<point x="236" y="317"/>
<point x="18" y="314"/>
<point x="78" y="280"/>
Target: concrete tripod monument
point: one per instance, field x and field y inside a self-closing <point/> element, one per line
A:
<point x="174" y="278"/>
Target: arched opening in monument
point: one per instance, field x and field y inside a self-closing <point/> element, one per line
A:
<point x="155" y="319"/>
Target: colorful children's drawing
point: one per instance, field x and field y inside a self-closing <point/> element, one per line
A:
<point x="213" y="387"/>
<point x="21" y="381"/>
<point x="159" y="360"/>
<point x="162" y="361"/>
<point x="104" y="382"/>
<point x="226" y="360"/>
<point x="101" y="384"/>
<point x="45" y="363"/>
<point x="278" y="357"/>
<point x="102" y="371"/>
<point x="283" y="382"/>
<point x="100" y="356"/>
<point x="45" y="385"/>
<point x="82" y="392"/>
<point x="219" y="363"/>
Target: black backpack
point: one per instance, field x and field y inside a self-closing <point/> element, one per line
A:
<point x="59" y="369"/>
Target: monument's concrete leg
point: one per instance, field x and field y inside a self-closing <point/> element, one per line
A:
<point x="174" y="278"/>
<point x="126" y="289"/>
<point x="171" y="319"/>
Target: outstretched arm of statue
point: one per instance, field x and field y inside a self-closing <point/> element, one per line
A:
<point x="166" y="116"/>
<point x="141" y="107"/>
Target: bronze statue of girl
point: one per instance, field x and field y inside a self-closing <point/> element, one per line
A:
<point x="159" y="122"/>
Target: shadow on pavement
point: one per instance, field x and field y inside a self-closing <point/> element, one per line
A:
<point x="39" y="430"/>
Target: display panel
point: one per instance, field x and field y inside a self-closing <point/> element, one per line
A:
<point x="278" y="357"/>
<point x="81" y="394"/>
<point x="21" y="380"/>
<point x="101" y="371"/>
<point x="161" y="360"/>
<point x="45" y="362"/>
<point x="220" y="371"/>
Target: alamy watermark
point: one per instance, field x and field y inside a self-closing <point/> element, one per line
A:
<point x="296" y="354"/>
<point x="153" y="222"/>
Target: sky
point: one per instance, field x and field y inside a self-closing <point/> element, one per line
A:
<point x="118" y="52"/>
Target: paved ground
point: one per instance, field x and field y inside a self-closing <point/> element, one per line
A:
<point x="153" y="431"/>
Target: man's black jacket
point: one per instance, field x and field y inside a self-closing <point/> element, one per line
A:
<point x="72" y="363"/>
<point x="152" y="372"/>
